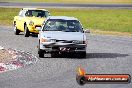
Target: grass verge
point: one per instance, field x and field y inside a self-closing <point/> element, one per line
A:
<point x="115" y="20"/>
<point x="74" y="1"/>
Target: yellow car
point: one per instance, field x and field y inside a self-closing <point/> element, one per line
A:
<point x="29" y="20"/>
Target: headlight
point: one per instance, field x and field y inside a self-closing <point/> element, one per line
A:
<point x="47" y="40"/>
<point x="31" y="23"/>
<point x="43" y="40"/>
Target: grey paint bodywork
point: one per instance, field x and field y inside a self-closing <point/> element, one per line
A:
<point x="62" y="39"/>
<point x="62" y="36"/>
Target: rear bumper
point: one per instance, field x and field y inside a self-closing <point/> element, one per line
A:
<point x="63" y="47"/>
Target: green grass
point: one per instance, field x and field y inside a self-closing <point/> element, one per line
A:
<point x="119" y="20"/>
<point x="7" y="15"/>
<point x="75" y="1"/>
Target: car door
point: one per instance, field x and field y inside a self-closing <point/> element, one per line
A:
<point x="21" y="21"/>
<point x="18" y="20"/>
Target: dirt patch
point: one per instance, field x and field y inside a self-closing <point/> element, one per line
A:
<point x="5" y="56"/>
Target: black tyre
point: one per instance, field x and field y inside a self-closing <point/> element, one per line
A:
<point x="73" y="55"/>
<point x="40" y="52"/>
<point x="81" y="54"/>
<point x="26" y="31"/>
<point x="16" y="31"/>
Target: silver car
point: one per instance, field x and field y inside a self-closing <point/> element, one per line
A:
<point x="61" y="34"/>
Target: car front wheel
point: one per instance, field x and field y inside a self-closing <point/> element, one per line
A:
<point x="81" y="54"/>
<point x="16" y="31"/>
<point x="26" y="31"/>
<point x="40" y="52"/>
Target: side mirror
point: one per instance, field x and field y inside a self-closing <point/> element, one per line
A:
<point x="87" y="31"/>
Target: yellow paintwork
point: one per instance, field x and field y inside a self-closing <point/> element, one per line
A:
<point x="19" y="21"/>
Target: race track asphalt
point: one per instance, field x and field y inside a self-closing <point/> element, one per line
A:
<point x="62" y="5"/>
<point x="105" y="55"/>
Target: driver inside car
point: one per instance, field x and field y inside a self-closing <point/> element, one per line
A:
<point x="61" y="25"/>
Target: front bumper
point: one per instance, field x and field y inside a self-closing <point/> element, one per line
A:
<point x="63" y="47"/>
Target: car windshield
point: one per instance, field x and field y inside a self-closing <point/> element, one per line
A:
<point x="37" y="13"/>
<point x="62" y="25"/>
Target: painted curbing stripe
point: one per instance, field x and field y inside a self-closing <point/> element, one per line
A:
<point x="21" y="59"/>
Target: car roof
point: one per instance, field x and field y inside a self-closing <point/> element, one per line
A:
<point x="62" y="17"/>
<point x="34" y="9"/>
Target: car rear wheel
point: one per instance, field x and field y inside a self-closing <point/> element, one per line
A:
<point x="16" y="31"/>
<point x="26" y="31"/>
